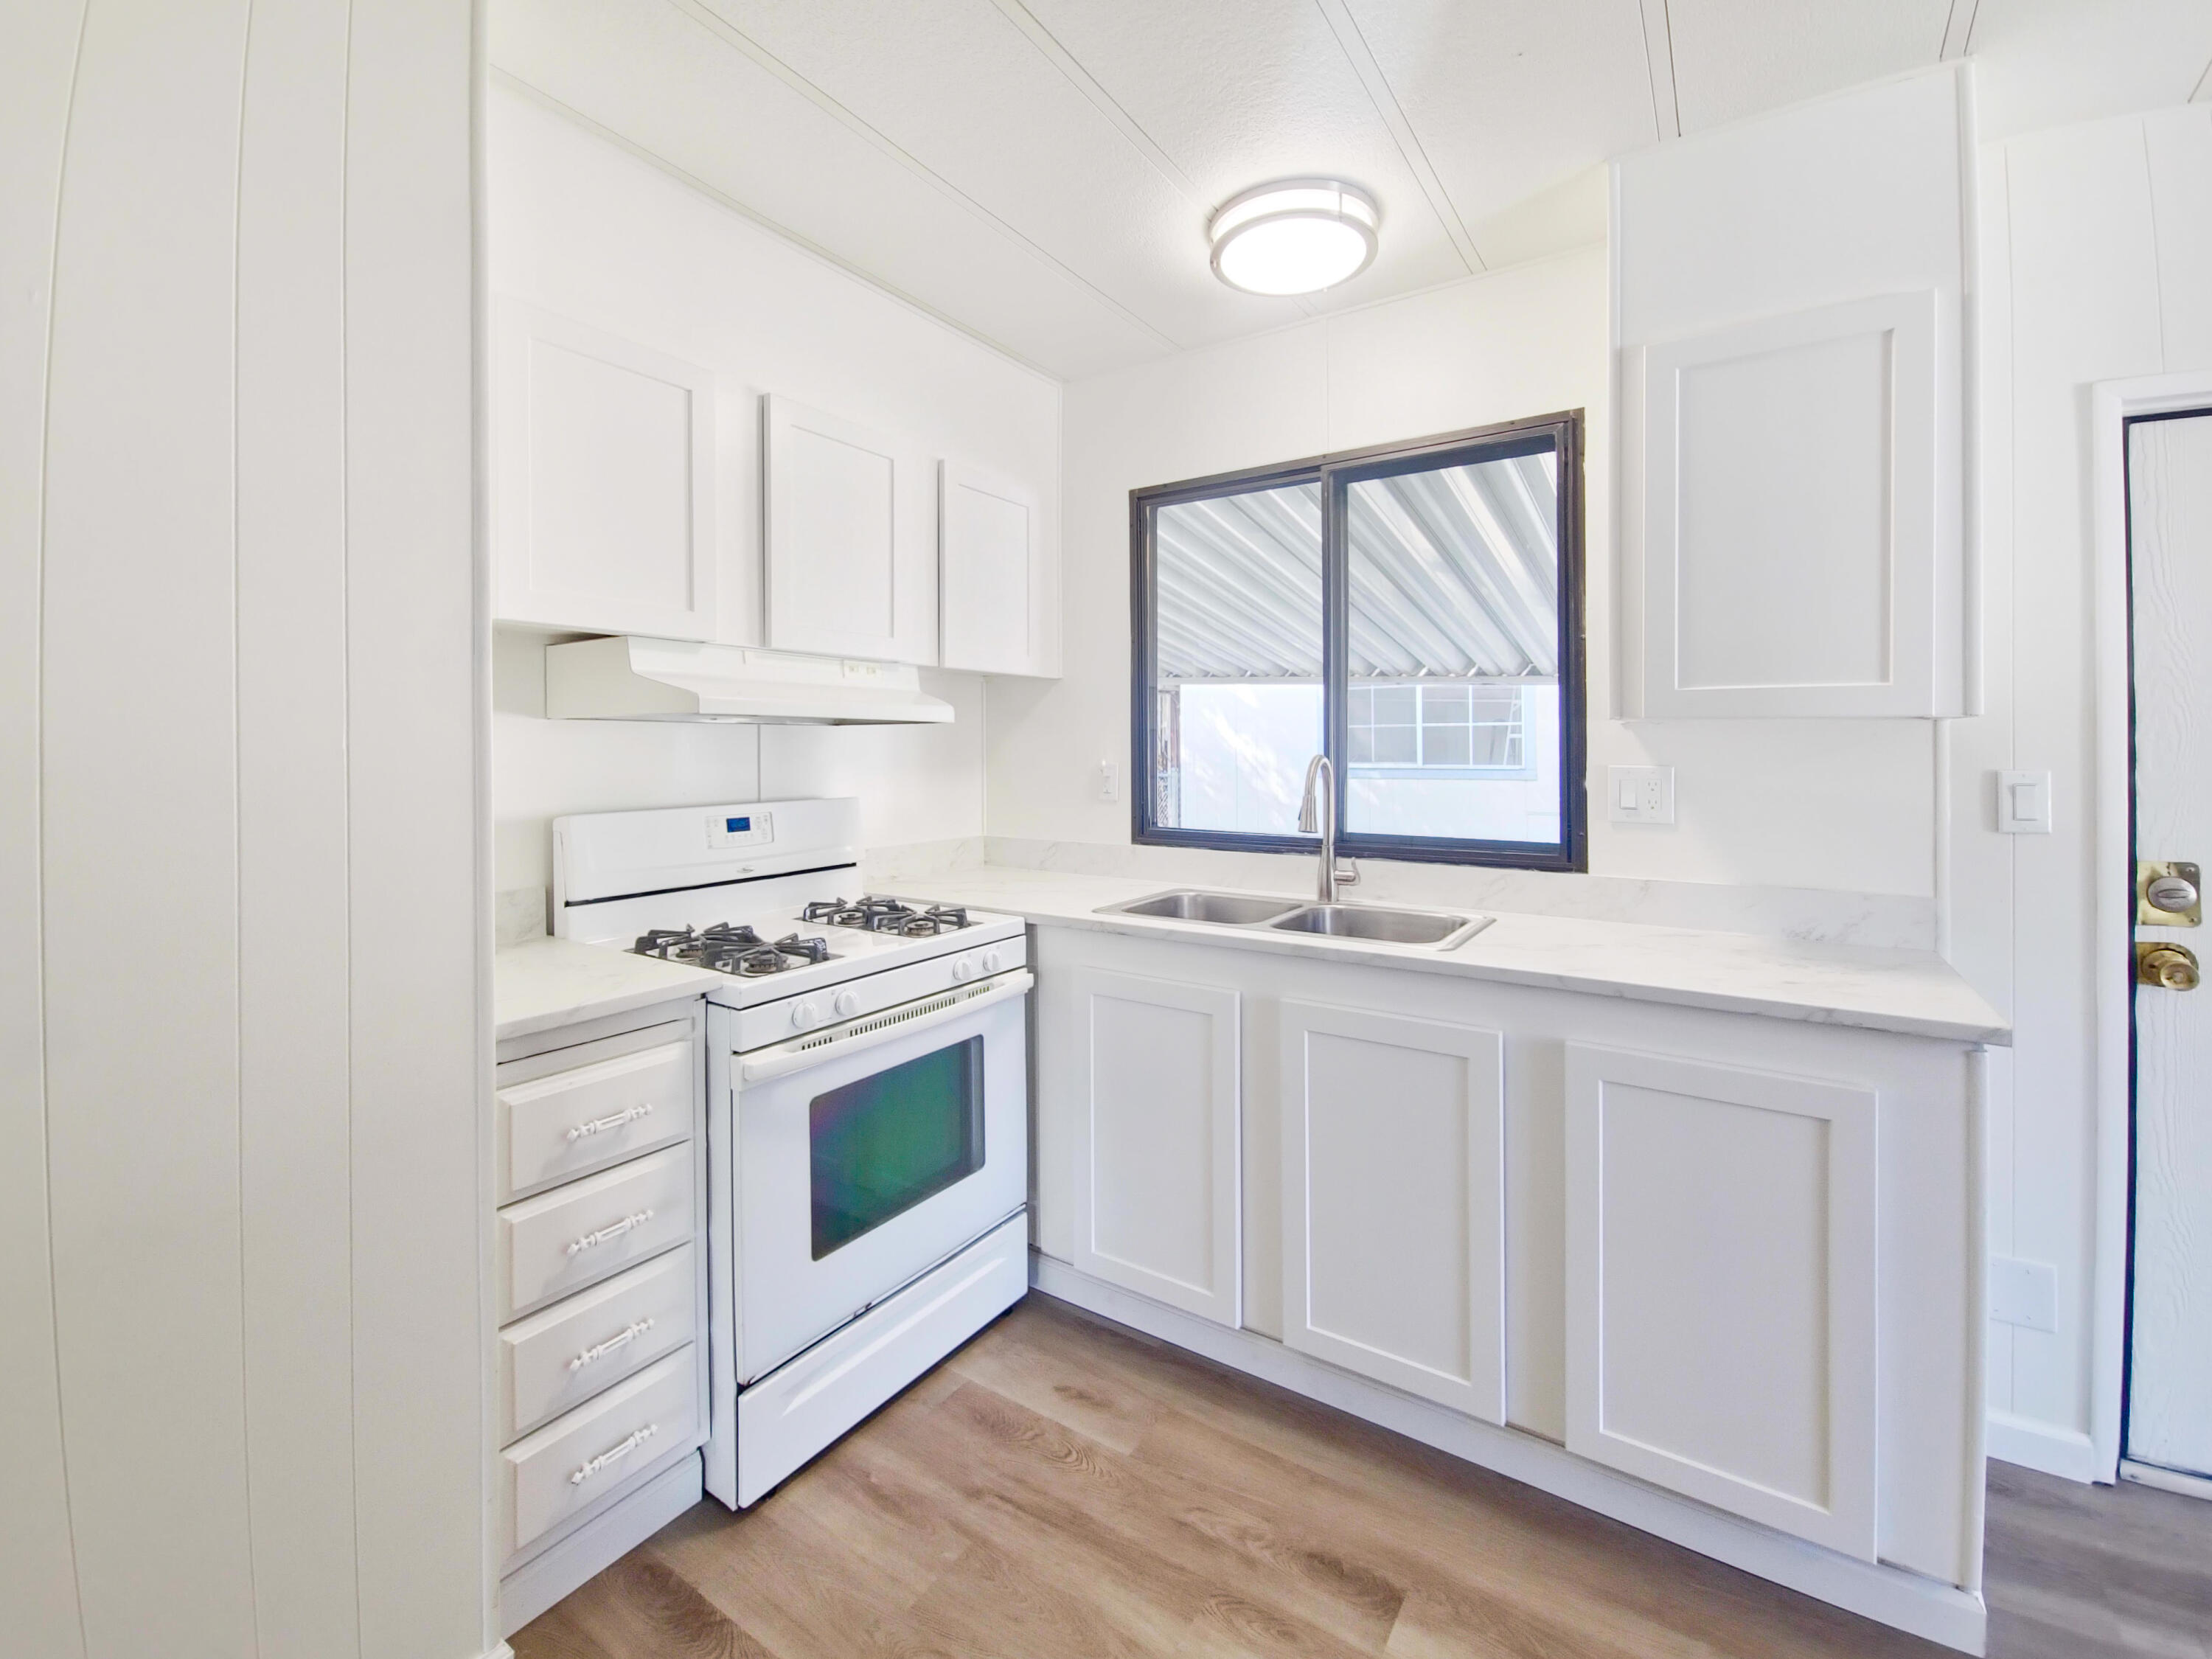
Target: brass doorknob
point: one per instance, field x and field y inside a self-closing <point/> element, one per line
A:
<point x="2170" y="967"/>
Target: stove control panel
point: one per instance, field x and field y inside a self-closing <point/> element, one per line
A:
<point x="871" y="993"/>
<point x="727" y="829"/>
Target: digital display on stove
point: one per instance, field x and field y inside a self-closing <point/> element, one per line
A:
<point x="737" y="826"/>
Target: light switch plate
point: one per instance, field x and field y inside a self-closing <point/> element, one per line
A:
<point x="2024" y="803"/>
<point x="1109" y="780"/>
<point x="1640" y="794"/>
<point x="2024" y="1293"/>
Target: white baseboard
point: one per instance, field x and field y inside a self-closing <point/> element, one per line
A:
<point x="597" y="1544"/>
<point x="2066" y="1453"/>
<point x="2149" y="1474"/>
<point x="502" y="1651"/>
<point x="1890" y="1596"/>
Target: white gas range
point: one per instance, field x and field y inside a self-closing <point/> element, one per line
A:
<point x="867" y="1109"/>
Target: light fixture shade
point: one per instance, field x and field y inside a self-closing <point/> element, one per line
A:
<point x="1294" y="236"/>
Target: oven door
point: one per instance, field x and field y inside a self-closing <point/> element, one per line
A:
<point x="864" y="1156"/>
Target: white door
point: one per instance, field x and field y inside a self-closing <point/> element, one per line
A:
<point x="1394" y="1201"/>
<point x="1721" y="1282"/>
<point x="603" y="480"/>
<point x="1157" y="1179"/>
<point x="2169" y="1407"/>
<point x="851" y="538"/>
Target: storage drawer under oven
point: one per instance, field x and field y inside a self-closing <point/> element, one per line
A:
<point x="585" y="1344"/>
<point x="590" y="1230"/>
<point x="576" y="1461"/>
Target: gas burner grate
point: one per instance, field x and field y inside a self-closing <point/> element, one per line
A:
<point x="878" y="914"/>
<point x="732" y="948"/>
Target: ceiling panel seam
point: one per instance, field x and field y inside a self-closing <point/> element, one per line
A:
<point x="1659" y="63"/>
<point x="1354" y="46"/>
<point x="1959" y="28"/>
<point x="691" y="181"/>
<point x="731" y="35"/>
<point x="1071" y="68"/>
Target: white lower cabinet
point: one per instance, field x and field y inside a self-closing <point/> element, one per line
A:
<point x="1153" y="1076"/>
<point x="1394" y="1200"/>
<point x="1722" y="1261"/>
<point x="574" y="1462"/>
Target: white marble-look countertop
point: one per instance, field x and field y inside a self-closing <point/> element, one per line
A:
<point x="1915" y="993"/>
<point x="547" y="982"/>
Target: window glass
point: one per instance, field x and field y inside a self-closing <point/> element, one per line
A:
<point x="1237" y="692"/>
<point x="1452" y="580"/>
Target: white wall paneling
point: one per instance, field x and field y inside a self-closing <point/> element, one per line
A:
<point x="998" y="603"/>
<point x="243" y="468"/>
<point x="1154" y="1066"/>
<point x="2097" y="269"/>
<point x="603" y="480"/>
<point x="1394" y="1200"/>
<point x="1792" y="564"/>
<point x="1792" y="456"/>
<point x="1721" y="1248"/>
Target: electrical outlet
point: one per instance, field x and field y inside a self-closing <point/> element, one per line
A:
<point x="1640" y="794"/>
<point x="1109" y="780"/>
<point x="2024" y="1293"/>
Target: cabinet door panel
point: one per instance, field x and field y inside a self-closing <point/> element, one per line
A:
<point x="1157" y="1189"/>
<point x="851" y="554"/>
<point x="603" y="461"/>
<point x="1394" y="1170"/>
<point x="1721" y="1283"/>
<point x="995" y="603"/>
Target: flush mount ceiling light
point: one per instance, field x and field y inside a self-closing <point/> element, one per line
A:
<point x="1294" y="236"/>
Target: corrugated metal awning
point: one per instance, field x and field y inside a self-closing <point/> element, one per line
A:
<point x="1453" y="573"/>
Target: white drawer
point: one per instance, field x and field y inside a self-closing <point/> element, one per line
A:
<point x="575" y="1460"/>
<point x="588" y="1342"/>
<point x="557" y="1127"/>
<point x="592" y="1228"/>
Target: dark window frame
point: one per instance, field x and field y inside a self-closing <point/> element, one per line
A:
<point x="1562" y="432"/>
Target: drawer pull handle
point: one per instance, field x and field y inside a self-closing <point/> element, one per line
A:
<point x="578" y="1246"/>
<point x="600" y="1126"/>
<point x="601" y="1349"/>
<point x="615" y="1453"/>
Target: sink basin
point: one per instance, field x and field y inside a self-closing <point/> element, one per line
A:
<point x="1376" y="922"/>
<point x="1229" y="909"/>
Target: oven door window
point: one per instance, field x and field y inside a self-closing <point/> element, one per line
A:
<point x="884" y="1143"/>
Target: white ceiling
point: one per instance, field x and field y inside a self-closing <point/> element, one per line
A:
<point x="1039" y="172"/>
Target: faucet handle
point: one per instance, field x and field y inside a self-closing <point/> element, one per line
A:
<point x="1347" y="873"/>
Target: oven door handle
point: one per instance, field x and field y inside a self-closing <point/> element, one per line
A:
<point x="878" y="1029"/>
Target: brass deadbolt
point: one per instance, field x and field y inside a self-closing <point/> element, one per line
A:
<point x="2170" y="967"/>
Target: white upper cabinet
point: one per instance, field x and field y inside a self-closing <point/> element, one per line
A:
<point x="996" y="601"/>
<point x="1788" y="297"/>
<point x="851" y="544"/>
<point x="603" y="480"/>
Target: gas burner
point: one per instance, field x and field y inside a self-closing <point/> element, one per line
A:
<point x="878" y="914"/>
<point x="732" y="948"/>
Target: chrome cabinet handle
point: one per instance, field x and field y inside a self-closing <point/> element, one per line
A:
<point x="614" y="1453"/>
<point x="600" y="1126"/>
<point x="601" y="1349"/>
<point x="578" y="1246"/>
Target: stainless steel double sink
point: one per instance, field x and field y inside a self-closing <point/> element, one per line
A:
<point x="1439" y="930"/>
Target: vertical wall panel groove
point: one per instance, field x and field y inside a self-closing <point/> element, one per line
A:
<point x="38" y="1579"/>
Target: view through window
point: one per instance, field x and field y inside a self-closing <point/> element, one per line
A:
<point x="1414" y="613"/>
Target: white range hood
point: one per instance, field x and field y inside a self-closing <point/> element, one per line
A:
<point x="624" y="678"/>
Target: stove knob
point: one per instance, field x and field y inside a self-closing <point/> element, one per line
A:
<point x="847" y="1003"/>
<point x="963" y="969"/>
<point x="991" y="961"/>
<point x="804" y="1014"/>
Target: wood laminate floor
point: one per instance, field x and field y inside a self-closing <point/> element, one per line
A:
<point x="1064" y="1487"/>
